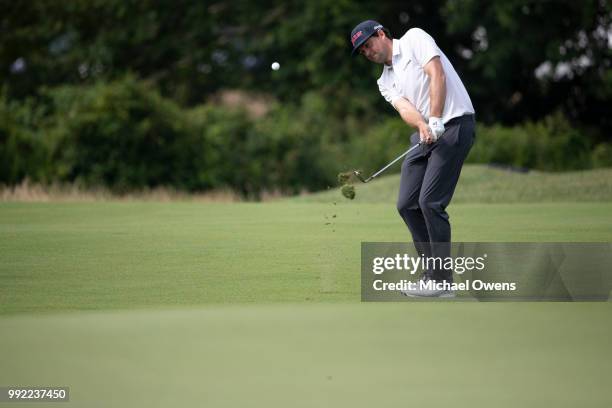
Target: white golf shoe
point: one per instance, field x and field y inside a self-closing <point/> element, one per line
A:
<point x="429" y="288"/>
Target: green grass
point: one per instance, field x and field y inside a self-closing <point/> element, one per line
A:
<point x="219" y="304"/>
<point x="97" y="256"/>
<point x="482" y="184"/>
<point x="349" y="355"/>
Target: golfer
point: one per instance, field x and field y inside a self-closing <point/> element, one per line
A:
<point x="422" y="85"/>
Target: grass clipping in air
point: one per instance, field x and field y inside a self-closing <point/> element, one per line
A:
<point x="347" y="190"/>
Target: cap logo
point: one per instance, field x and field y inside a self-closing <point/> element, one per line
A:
<point x="356" y="36"/>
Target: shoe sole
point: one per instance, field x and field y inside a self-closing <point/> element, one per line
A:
<point x="441" y="295"/>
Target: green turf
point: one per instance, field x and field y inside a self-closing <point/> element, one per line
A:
<point x="85" y="256"/>
<point x="193" y="304"/>
<point x="357" y="355"/>
<point x="482" y="184"/>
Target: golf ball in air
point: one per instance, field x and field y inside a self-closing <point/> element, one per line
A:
<point x="275" y="66"/>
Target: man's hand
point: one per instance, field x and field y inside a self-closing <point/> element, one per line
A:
<point x="425" y="133"/>
<point x="437" y="127"/>
<point x="414" y="118"/>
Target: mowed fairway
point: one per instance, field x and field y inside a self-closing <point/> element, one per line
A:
<point x="96" y="256"/>
<point x="236" y="304"/>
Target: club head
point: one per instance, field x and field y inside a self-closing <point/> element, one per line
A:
<point x="357" y="174"/>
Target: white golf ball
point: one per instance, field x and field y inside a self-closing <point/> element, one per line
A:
<point x="275" y="66"/>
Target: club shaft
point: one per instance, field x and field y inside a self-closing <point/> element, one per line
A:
<point x="393" y="162"/>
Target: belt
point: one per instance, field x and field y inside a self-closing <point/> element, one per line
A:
<point x="467" y="117"/>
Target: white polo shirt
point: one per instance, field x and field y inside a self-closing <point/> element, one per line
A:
<point x="406" y="77"/>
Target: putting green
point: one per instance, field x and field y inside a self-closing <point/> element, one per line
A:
<point x="331" y="355"/>
<point x="184" y="304"/>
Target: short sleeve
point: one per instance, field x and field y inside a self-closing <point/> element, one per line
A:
<point x="423" y="46"/>
<point x="389" y="93"/>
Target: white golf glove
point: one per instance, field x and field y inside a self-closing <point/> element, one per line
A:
<point x="436" y="126"/>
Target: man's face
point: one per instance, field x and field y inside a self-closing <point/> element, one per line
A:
<point x="373" y="49"/>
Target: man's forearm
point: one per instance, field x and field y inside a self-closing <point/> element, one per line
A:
<point x="413" y="117"/>
<point x="437" y="93"/>
<point x="408" y="112"/>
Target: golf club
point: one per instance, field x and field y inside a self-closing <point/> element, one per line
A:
<point x="357" y="173"/>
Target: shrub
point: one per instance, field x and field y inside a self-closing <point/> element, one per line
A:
<point x="602" y="155"/>
<point x="124" y="136"/>
<point x="379" y="145"/>
<point x="121" y="135"/>
<point x="550" y="144"/>
<point x="22" y="150"/>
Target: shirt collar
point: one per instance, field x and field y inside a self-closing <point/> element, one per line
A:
<point x="396" y="48"/>
<point x="396" y="53"/>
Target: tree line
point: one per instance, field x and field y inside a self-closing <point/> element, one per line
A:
<point x="522" y="62"/>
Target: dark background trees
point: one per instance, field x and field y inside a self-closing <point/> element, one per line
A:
<point x="522" y="61"/>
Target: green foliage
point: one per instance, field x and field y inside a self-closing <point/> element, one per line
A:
<point x="299" y="145"/>
<point x="551" y="144"/>
<point x="498" y="144"/>
<point x="22" y="151"/>
<point x="117" y="92"/>
<point x="379" y="144"/>
<point x="602" y="155"/>
<point x="121" y="135"/>
<point x="508" y="40"/>
<point x="85" y="41"/>
<point x="221" y="150"/>
<point x="189" y="50"/>
<point x="124" y="136"/>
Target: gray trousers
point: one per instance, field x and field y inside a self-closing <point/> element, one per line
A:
<point x="428" y="181"/>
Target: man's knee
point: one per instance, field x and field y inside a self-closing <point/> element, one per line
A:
<point x="407" y="204"/>
<point x="430" y="206"/>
